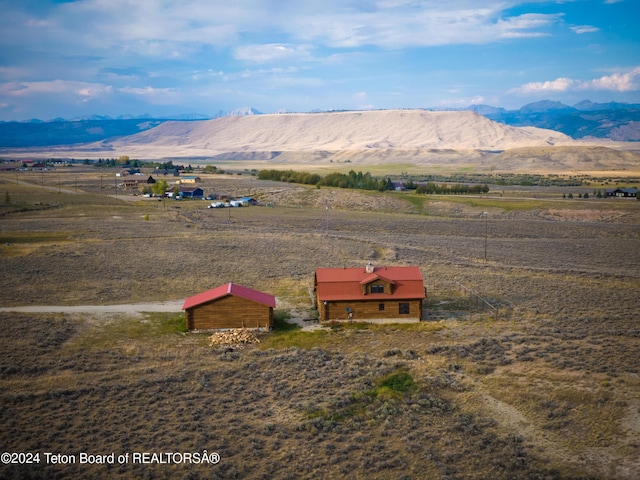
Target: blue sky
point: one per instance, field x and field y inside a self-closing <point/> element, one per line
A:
<point x="166" y="57"/>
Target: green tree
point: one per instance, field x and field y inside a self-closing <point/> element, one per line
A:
<point x="160" y="187"/>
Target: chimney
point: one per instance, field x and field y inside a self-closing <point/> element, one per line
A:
<point x="369" y="268"/>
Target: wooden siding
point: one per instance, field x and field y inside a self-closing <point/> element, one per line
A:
<point x="229" y="312"/>
<point x="369" y="310"/>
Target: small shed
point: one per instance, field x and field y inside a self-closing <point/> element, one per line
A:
<point x="229" y="306"/>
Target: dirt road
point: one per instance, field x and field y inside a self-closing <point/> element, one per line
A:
<point x="131" y="308"/>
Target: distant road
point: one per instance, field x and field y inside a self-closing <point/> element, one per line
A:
<point x="132" y="308"/>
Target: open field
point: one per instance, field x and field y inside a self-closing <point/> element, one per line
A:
<point x="547" y="389"/>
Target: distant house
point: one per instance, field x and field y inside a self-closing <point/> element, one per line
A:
<point x="248" y="201"/>
<point x="190" y="179"/>
<point x="229" y="306"/>
<point x="369" y="294"/>
<point x="191" y="192"/>
<point x="622" y="192"/>
<point x="10" y="165"/>
<point x="135" y="181"/>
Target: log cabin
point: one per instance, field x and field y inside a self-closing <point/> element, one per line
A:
<point x="369" y="294"/>
<point x="229" y="306"/>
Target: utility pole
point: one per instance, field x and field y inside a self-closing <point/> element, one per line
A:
<point x="326" y="217"/>
<point x="485" y="215"/>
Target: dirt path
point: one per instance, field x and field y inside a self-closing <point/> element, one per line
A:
<point x="608" y="461"/>
<point x="130" y="308"/>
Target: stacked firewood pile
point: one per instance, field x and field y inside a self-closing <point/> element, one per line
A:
<point x="235" y="337"/>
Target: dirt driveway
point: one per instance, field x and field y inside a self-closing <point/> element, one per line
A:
<point x="131" y="308"/>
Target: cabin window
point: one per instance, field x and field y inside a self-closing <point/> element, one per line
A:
<point x="381" y="307"/>
<point x="377" y="288"/>
<point x="403" y="308"/>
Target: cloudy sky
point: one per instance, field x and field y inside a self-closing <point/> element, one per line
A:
<point x="66" y="58"/>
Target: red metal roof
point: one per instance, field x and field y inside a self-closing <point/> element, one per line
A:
<point x="334" y="284"/>
<point x="230" y="289"/>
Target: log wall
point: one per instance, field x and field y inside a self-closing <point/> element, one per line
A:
<point x="229" y="312"/>
<point x="368" y="310"/>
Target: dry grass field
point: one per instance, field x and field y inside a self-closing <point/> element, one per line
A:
<point x="548" y="388"/>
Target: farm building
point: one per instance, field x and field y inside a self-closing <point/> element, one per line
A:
<point x="137" y="181"/>
<point x="229" y="306"/>
<point x="622" y="192"/>
<point x="191" y="192"/>
<point x="192" y="179"/>
<point x="369" y="294"/>
<point x="248" y="201"/>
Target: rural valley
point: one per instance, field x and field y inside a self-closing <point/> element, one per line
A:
<point x="342" y="240"/>
<point x="545" y="386"/>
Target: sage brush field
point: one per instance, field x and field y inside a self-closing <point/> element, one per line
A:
<point x="547" y="388"/>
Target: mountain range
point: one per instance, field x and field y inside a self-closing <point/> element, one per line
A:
<point x="613" y="121"/>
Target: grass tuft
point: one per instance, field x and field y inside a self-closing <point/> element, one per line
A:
<point x="394" y="386"/>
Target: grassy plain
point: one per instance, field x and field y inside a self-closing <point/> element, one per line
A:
<point x="547" y="389"/>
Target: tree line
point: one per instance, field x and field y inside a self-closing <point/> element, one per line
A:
<point x="357" y="180"/>
<point x="365" y="181"/>
<point x="431" y="188"/>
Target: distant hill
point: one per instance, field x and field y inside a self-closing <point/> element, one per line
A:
<point x="431" y="139"/>
<point x="366" y="130"/>
<point x="614" y="121"/>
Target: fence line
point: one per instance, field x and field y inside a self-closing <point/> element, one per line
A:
<point x="476" y="301"/>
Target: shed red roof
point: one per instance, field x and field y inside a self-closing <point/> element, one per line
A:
<point x="230" y="289"/>
<point x="335" y="284"/>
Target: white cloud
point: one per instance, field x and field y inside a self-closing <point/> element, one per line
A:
<point x="272" y="52"/>
<point x="617" y="82"/>
<point x="580" y="29"/>
<point x="463" y="101"/>
<point x="557" y="85"/>
<point x="56" y="87"/>
<point x="361" y="101"/>
<point x="427" y="25"/>
<point x="145" y="91"/>
<point x="154" y="28"/>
